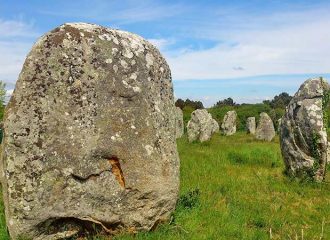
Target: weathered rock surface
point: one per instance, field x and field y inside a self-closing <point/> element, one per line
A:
<point x="179" y="123"/>
<point x="228" y="126"/>
<point x="215" y="126"/>
<point x="201" y="126"/>
<point x="89" y="135"/>
<point x="279" y="122"/>
<point x="265" y="129"/>
<point x="251" y="125"/>
<point x="328" y="153"/>
<point x="303" y="135"/>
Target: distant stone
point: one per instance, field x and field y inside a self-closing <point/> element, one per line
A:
<point x="265" y="129"/>
<point x="179" y="123"/>
<point x="251" y="125"/>
<point x="328" y="153"/>
<point x="303" y="135"/>
<point x="201" y="126"/>
<point x="279" y="121"/>
<point x="228" y="126"/>
<point x="89" y="136"/>
<point x="215" y="125"/>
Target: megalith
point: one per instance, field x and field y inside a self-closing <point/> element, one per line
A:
<point x="201" y="126"/>
<point x="89" y="136"/>
<point x="228" y="126"/>
<point x="265" y="130"/>
<point x="179" y="123"/>
<point x="303" y="135"/>
<point x="251" y="125"/>
<point x="279" y="121"/>
<point x="215" y="126"/>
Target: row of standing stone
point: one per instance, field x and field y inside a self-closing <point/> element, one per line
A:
<point x="202" y="126"/>
<point x="302" y="129"/>
<point x="265" y="129"/>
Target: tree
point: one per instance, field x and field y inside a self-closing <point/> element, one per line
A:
<point x="226" y="102"/>
<point x="180" y="103"/>
<point x="189" y="103"/>
<point x="279" y="101"/>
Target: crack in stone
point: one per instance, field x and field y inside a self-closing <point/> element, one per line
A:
<point x="117" y="171"/>
<point x="89" y="177"/>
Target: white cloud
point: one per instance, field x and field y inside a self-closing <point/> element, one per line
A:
<point x="16" y="39"/>
<point x="296" y="45"/>
<point x="161" y="43"/>
<point x="11" y="59"/>
<point x="12" y="28"/>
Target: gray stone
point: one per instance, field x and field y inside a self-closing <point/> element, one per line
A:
<point x="215" y="126"/>
<point x="251" y="125"/>
<point x="279" y="122"/>
<point x="228" y="126"/>
<point x="328" y="153"/>
<point x="303" y="135"/>
<point x="179" y="123"/>
<point x="201" y="126"/>
<point x="265" y="130"/>
<point x="90" y="136"/>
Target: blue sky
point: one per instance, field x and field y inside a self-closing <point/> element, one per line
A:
<point x="247" y="50"/>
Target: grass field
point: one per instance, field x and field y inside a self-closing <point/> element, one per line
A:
<point x="233" y="188"/>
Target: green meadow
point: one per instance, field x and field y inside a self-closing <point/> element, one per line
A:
<point x="243" y="194"/>
<point x="234" y="188"/>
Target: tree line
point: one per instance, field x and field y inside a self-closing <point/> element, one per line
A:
<point x="279" y="101"/>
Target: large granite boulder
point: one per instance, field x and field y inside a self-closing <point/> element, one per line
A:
<point x="265" y="130"/>
<point x="228" y="126"/>
<point x="303" y="135"/>
<point x="251" y="125"/>
<point x="201" y="126"/>
<point x="179" y="123"/>
<point x="89" y="136"/>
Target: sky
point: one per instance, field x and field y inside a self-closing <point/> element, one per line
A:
<point x="248" y="50"/>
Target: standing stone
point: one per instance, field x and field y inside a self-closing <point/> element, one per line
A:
<point x="251" y="125"/>
<point x="228" y="126"/>
<point x="328" y="153"/>
<point x="179" y="123"/>
<point x="265" y="129"/>
<point x="201" y="126"/>
<point x="303" y="135"/>
<point x="215" y="126"/>
<point x="89" y="136"/>
<point x="279" y="121"/>
<point x="1" y="132"/>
